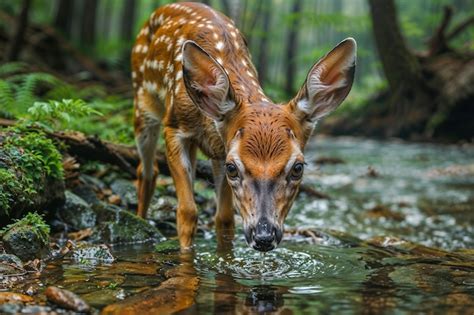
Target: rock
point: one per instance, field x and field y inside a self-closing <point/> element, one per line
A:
<point x="12" y="297"/>
<point x="66" y="299"/>
<point x="167" y="246"/>
<point x="86" y="193"/>
<point x="27" y="238"/>
<point x="10" y="265"/>
<point x="118" y="226"/>
<point x="127" y="192"/>
<point x="76" y="213"/>
<point x="10" y="308"/>
<point x="31" y="174"/>
<point x="94" y="253"/>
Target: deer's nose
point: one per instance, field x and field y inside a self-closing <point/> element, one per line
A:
<point x="265" y="236"/>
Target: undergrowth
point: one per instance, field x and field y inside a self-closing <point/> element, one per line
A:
<point x="35" y="222"/>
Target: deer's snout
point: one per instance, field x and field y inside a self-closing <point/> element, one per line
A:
<point x="265" y="236"/>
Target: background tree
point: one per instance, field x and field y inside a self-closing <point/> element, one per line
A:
<point x="18" y="35"/>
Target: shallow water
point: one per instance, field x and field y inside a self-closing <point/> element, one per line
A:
<point x="353" y="260"/>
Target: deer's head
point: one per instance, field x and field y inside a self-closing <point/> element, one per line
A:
<point x="265" y="141"/>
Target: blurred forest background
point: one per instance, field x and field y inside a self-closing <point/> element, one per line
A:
<point x="414" y="77"/>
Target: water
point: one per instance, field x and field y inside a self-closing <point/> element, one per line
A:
<point x="397" y="240"/>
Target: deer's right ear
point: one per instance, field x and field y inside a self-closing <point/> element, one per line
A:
<point x="206" y="82"/>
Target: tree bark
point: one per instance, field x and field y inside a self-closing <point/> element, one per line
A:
<point x="64" y="17"/>
<point x="128" y="19"/>
<point x="89" y="12"/>
<point x="292" y="47"/>
<point x="400" y="66"/>
<point x="411" y="99"/>
<point x="16" y="45"/>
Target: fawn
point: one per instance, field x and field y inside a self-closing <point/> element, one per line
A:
<point x="192" y="74"/>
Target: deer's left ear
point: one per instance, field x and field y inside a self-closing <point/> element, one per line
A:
<point x="327" y="84"/>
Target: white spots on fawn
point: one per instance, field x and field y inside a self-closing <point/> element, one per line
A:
<point x="250" y="74"/>
<point x="179" y="57"/>
<point x="134" y="74"/>
<point x="200" y="25"/>
<point x="142" y="68"/>
<point x="180" y="41"/>
<point x="150" y="86"/>
<point x="220" y="45"/>
<point x="215" y="36"/>
<point x="179" y="75"/>
<point x="209" y="26"/>
<point x="233" y="33"/>
<point x="162" y="93"/>
<point x="192" y="22"/>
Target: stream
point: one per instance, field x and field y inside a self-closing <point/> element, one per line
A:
<point x="396" y="236"/>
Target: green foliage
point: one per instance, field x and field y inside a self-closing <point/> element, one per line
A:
<point x="54" y="114"/>
<point x="18" y="91"/>
<point x="37" y="224"/>
<point x="35" y="153"/>
<point x="33" y="157"/>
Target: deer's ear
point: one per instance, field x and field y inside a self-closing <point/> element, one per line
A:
<point x="206" y="82"/>
<point x="327" y="84"/>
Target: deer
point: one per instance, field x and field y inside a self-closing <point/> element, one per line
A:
<point x="193" y="77"/>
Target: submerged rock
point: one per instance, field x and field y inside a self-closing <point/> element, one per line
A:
<point x="28" y="238"/>
<point x="12" y="297"/>
<point x="66" y="299"/>
<point x="76" y="213"/>
<point x="118" y="226"/>
<point x="94" y="253"/>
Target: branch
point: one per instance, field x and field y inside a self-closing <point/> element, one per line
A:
<point x="458" y="29"/>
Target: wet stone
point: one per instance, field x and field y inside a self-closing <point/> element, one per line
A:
<point x="25" y="242"/>
<point x="12" y="297"/>
<point x="76" y="213"/>
<point x="94" y="253"/>
<point x="87" y="193"/>
<point x="118" y="226"/>
<point x="66" y="299"/>
<point x="127" y="192"/>
<point x="10" y="265"/>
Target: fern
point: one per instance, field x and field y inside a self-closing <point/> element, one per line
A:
<point x="55" y="114"/>
<point x="11" y="68"/>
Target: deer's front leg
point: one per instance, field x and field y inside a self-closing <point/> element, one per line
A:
<point x="224" y="218"/>
<point x="180" y="154"/>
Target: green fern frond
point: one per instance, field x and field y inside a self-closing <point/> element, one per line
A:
<point x="10" y="68"/>
<point x="7" y="96"/>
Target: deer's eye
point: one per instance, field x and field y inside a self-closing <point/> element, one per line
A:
<point x="231" y="170"/>
<point x="297" y="171"/>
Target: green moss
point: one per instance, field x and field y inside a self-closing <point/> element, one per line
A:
<point x="26" y="159"/>
<point x="35" y="223"/>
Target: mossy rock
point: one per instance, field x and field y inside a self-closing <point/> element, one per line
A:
<point x="118" y="226"/>
<point x="27" y="238"/>
<point x="76" y="213"/>
<point x="31" y="173"/>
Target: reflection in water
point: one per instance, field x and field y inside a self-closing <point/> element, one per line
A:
<point x="417" y="197"/>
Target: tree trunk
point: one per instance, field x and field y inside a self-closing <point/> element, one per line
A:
<point x="262" y="60"/>
<point x="410" y="100"/>
<point x="292" y="47"/>
<point x="128" y="19"/>
<point x="64" y="17"/>
<point x="16" y="45"/>
<point x="400" y="66"/>
<point x="89" y="12"/>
